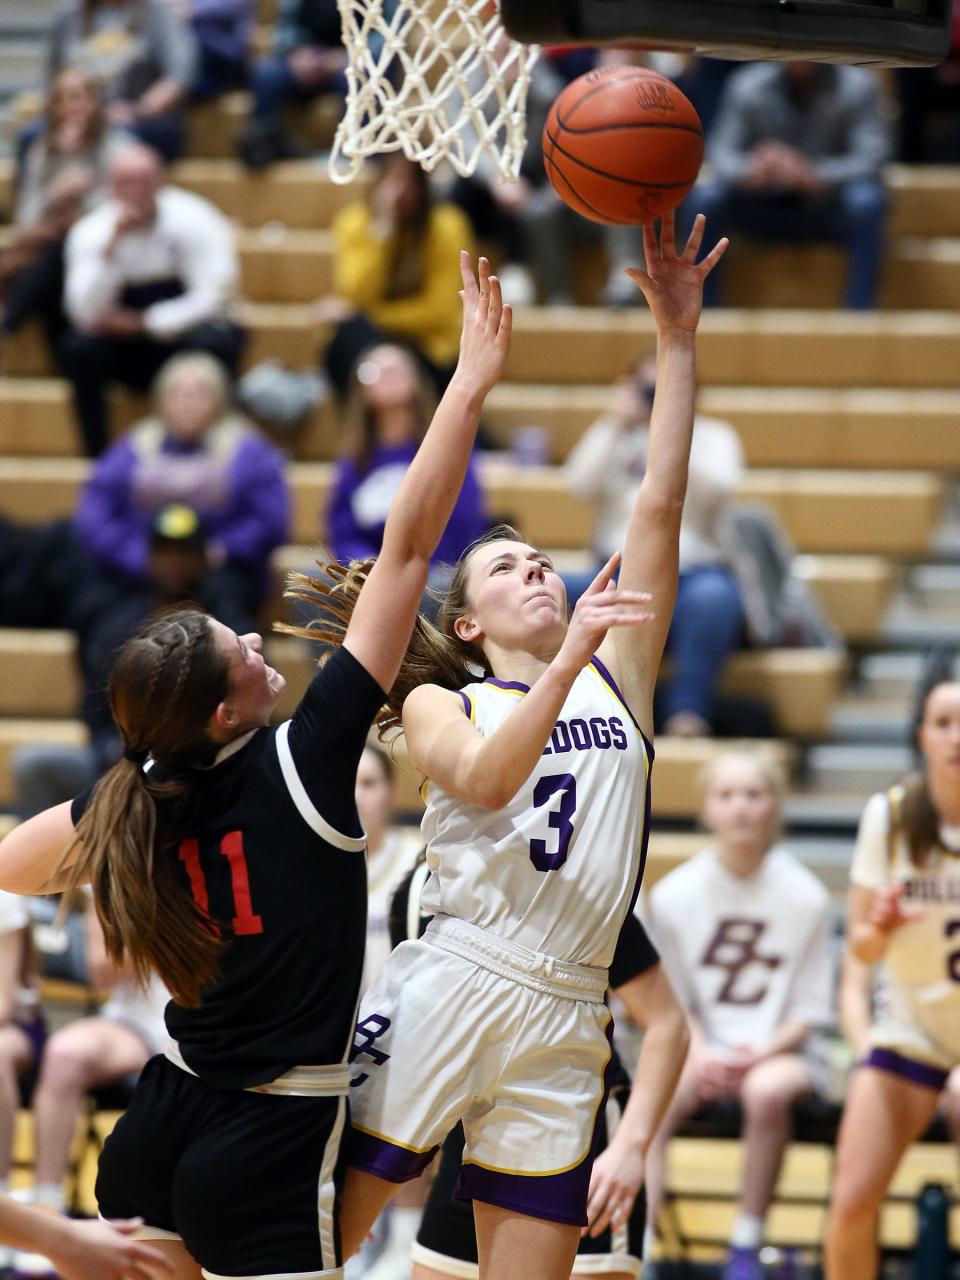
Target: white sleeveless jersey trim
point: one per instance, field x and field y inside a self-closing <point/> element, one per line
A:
<point x="575" y="830"/>
<point x="305" y="806"/>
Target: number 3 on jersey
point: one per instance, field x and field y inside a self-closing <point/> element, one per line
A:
<point x="561" y="819"/>
<point x="231" y="847"/>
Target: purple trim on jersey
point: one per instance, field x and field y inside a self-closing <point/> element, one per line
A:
<point x="508" y="684"/>
<point x="466" y="704"/>
<point x="384" y="1160"/>
<point x="605" y="672"/>
<point x="896" y="1064"/>
<point x="557" y="1197"/>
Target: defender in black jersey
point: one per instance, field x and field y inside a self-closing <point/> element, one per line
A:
<point x="228" y="855"/>
<point x="446" y="1244"/>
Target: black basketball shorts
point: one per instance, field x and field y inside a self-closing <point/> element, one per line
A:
<point x="248" y="1181"/>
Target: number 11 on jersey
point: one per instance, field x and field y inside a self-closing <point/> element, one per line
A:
<point x="245" y="921"/>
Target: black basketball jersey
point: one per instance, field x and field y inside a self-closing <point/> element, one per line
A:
<point x="276" y="858"/>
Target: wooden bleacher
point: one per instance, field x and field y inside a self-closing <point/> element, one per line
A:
<point x="871" y="402"/>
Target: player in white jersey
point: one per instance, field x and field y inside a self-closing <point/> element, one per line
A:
<point x="744" y="930"/>
<point x="903" y="916"/>
<point x="530" y="731"/>
<point x="391" y="853"/>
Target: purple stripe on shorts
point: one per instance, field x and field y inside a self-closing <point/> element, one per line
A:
<point x="906" y="1068"/>
<point x="384" y="1160"/>
<point x="557" y="1197"/>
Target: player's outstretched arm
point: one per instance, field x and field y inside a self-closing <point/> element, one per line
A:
<point x="489" y="771"/>
<point x="618" y="1171"/>
<point x="81" y="1250"/>
<point x="32" y="851"/>
<point x="383" y="619"/>
<point x="673" y="287"/>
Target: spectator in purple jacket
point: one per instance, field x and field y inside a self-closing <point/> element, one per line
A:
<point x="195" y="452"/>
<point x="387" y="413"/>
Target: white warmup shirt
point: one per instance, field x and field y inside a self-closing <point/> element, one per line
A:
<point x="556" y="869"/>
<point x="745" y="955"/>
<point x="190" y="242"/>
<point x="385" y="869"/>
<point x="918" y="995"/>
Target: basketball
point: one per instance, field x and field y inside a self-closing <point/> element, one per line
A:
<point x="622" y="145"/>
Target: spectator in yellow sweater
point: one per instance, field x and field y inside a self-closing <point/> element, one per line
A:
<point x="396" y="276"/>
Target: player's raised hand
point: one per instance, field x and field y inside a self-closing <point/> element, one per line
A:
<point x="487" y="325"/>
<point x="673" y="283"/>
<point x="888" y="911"/>
<point x="602" y="606"/>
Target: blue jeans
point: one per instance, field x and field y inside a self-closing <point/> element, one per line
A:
<point x="274" y="85"/>
<point x="854" y="216"/>
<point x="707" y="626"/>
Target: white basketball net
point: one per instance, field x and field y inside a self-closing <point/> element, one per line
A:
<point x="437" y="79"/>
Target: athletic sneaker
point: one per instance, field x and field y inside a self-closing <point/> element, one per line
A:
<point x="743" y="1264"/>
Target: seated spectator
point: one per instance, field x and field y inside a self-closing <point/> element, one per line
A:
<point x="195" y="453"/>
<point x="744" y="931"/>
<point x="796" y="154"/>
<point x="308" y="60"/>
<point x="144" y="56"/>
<point x="387" y="415"/>
<point x="21" y="1025"/>
<point x="391" y="852"/>
<point x="396" y="273"/>
<point x="88" y="1053"/>
<point x="606" y="468"/>
<point x="223" y="29"/>
<point x="149" y="273"/>
<point x="62" y="176"/>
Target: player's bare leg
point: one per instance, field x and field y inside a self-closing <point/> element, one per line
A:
<point x="514" y="1246"/>
<point x="883" y="1114"/>
<point x="767" y="1094"/>
<point x="364" y="1198"/>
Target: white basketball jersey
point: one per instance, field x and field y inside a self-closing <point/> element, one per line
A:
<point x="556" y="869"/>
<point x="745" y="955"/>
<point x="920" y="971"/>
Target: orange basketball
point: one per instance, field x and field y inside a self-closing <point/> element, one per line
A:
<point x="622" y="145"/>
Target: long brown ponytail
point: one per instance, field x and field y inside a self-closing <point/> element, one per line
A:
<point x="166" y="683"/>
<point x="435" y="654"/>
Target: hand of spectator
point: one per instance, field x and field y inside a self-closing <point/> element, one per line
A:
<point x="120" y="322"/>
<point x="714" y="1080"/>
<point x="104" y="1251"/>
<point x="121" y="113"/>
<point x="332" y="310"/>
<point x="888" y="913"/>
<point x="616" y="1179"/>
<point x="311" y="65"/>
<point x="673" y="284"/>
<point x="70" y="185"/>
<point x="511" y="197"/>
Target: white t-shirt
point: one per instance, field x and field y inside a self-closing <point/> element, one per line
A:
<point x="745" y="955"/>
<point x="385" y="869"/>
<point x="919" y="976"/>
